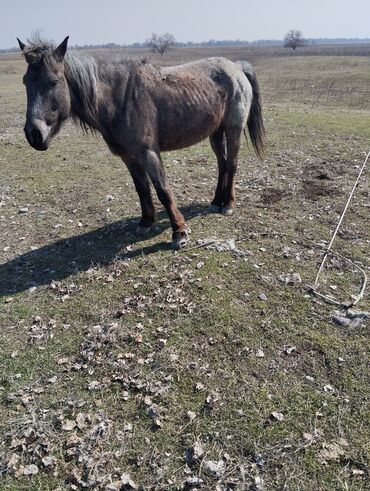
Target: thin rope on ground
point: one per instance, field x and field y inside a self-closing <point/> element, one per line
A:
<point x="316" y="284"/>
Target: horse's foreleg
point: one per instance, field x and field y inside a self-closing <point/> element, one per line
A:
<point x="142" y="185"/>
<point x="233" y="137"/>
<point x="152" y="163"/>
<point x="218" y="145"/>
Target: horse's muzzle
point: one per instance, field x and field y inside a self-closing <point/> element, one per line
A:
<point x="37" y="138"/>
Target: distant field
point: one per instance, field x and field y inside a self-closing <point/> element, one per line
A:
<point x="199" y="368"/>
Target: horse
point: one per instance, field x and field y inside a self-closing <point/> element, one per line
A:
<point x="141" y="110"/>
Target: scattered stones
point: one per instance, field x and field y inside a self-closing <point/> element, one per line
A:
<point x="195" y="453"/>
<point x="68" y="425"/>
<point x="30" y="470"/>
<point x="113" y="486"/>
<point x="292" y="279"/>
<point x="199" y="386"/>
<point x="63" y="361"/>
<point x="260" y="353"/>
<point x="260" y="461"/>
<point x="350" y="318"/>
<point x="193" y="482"/>
<point x="357" y="472"/>
<point x="308" y="436"/>
<point x="95" y="385"/>
<point x="329" y="388"/>
<point x="127" y="482"/>
<point x="262" y="297"/>
<point x="290" y="350"/>
<point x="162" y="342"/>
<point x="23" y="209"/>
<point x="13" y="462"/>
<point x="341" y="320"/>
<point x="191" y="415"/>
<point x="277" y="416"/>
<point x="217" y="245"/>
<point x="212" y="399"/>
<point x="153" y="413"/>
<point x="48" y="461"/>
<point x="215" y="468"/>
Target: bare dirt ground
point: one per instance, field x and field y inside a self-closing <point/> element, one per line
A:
<point x="125" y="365"/>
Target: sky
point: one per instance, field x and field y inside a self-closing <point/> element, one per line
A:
<point x="129" y="21"/>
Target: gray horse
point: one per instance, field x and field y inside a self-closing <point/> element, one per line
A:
<point x="141" y="110"/>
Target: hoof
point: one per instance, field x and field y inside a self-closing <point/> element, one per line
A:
<point x="180" y="241"/>
<point x="140" y="230"/>
<point x="214" y="208"/>
<point x="227" y="211"/>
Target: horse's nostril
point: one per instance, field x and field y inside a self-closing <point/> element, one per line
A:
<point x="36" y="137"/>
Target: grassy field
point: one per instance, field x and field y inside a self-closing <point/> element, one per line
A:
<point x="126" y="365"/>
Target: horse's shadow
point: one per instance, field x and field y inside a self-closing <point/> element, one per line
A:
<point x="71" y="255"/>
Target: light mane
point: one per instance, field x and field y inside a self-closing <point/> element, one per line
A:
<point x="83" y="79"/>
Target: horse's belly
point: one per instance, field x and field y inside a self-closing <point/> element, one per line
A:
<point x="178" y="133"/>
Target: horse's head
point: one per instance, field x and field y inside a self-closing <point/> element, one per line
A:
<point x="48" y="96"/>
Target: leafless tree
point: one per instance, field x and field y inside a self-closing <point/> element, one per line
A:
<point x="161" y="44"/>
<point x="294" y="39"/>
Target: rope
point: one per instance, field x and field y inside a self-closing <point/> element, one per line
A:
<point x="328" y="250"/>
<point x="316" y="284"/>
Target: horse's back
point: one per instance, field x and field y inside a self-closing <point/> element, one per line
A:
<point x="221" y="71"/>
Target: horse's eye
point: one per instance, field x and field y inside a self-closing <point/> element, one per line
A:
<point x="53" y="83"/>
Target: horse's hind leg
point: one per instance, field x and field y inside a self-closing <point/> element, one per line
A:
<point x="153" y="165"/>
<point x="233" y="138"/>
<point x="142" y="185"/>
<point x="218" y="144"/>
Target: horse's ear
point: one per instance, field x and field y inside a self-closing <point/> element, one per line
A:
<point x="21" y="45"/>
<point x="61" y="50"/>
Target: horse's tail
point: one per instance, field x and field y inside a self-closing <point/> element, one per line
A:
<point x="255" y="122"/>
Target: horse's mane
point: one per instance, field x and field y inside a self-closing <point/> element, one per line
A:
<point x="82" y="76"/>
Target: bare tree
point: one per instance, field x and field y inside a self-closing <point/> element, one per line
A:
<point x="294" y="39"/>
<point x="161" y="44"/>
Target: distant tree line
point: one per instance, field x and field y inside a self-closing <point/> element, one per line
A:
<point x="214" y="42"/>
